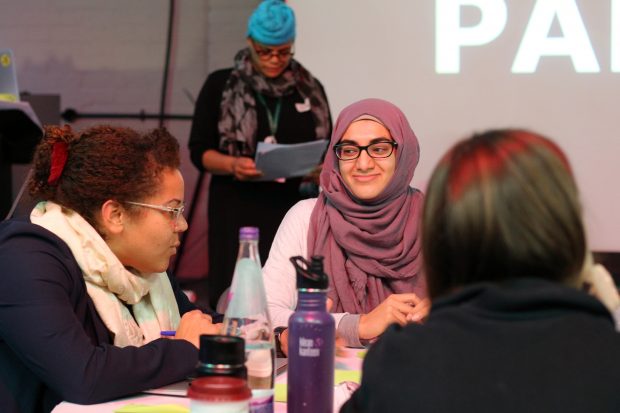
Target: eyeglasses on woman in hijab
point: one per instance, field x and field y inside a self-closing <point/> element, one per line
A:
<point x="351" y="151"/>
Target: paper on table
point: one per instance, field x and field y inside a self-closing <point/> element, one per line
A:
<point x="339" y="377"/>
<point x="276" y="160"/>
<point x="178" y="389"/>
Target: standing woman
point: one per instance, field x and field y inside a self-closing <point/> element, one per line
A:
<point x="267" y="96"/>
<point x="84" y="294"/>
<point x="365" y="223"/>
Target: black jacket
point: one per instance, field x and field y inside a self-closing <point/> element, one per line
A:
<point x="525" y="346"/>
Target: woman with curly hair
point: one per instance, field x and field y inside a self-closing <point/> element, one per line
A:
<point x="83" y="292"/>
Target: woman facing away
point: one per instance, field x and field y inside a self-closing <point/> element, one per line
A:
<point x="83" y="291"/>
<point x="268" y="96"/>
<point x="365" y="223"/>
<point x="506" y="258"/>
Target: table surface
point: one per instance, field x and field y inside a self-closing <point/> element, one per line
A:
<point x="349" y="359"/>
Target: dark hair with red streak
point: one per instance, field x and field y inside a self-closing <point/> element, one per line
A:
<point x="502" y="204"/>
<point x="103" y="163"/>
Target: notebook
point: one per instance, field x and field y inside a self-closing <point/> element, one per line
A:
<point x="9" y="91"/>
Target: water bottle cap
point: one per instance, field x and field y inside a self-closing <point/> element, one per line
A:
<point x="310" y="275"/>
<point x="219" y="389"/>
<point x="219" y="349"/>
<point x="248" y="233"/>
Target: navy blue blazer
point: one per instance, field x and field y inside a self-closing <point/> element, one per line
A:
<point x="54" y="346"/>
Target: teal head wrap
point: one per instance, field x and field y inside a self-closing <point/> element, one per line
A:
<point x="272" y="23"/>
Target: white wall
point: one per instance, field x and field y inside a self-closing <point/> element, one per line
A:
<point x="108" y="56"/>
<point x="369" y="48"/>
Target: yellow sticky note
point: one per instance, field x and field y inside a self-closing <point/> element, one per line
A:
<point x="280" y="392"/>
<point x="155" y="408"/>
<point x="347" y="375"/>
<point x="8" y="97"/>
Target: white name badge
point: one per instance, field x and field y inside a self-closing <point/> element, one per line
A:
<point x="303" y="106"/>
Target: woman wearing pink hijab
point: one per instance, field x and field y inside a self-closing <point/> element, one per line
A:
<point x="365" y="223"/>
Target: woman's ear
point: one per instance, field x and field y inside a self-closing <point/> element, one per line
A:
<point x="113" y="217"/>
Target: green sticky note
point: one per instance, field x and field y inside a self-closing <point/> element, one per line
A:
<point x="280" y="390"/>
<point x="155" y="408"/>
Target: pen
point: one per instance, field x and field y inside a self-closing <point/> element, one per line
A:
<point x="168" y="333"/>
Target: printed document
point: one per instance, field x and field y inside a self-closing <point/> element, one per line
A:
<point x="276" y="160"/>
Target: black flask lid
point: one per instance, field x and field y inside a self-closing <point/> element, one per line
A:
<point x="310" y="275"/>
<point x="220" y="349"/>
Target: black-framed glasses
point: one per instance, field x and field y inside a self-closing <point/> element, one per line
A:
<point x="265" y="53"/>
<point x="175" y="212"/>
<point x="351" y="151"/>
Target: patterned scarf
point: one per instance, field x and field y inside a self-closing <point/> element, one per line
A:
<point x="238" y="124"/>
<point x="109" y="284"/>
<point x="372" y="248"/>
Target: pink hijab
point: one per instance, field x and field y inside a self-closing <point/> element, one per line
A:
<point x="372" y="248"/>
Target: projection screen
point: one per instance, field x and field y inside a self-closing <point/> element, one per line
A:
<point x="458" y="66"/>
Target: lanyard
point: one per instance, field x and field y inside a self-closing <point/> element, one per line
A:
<point x="273" y="118"/>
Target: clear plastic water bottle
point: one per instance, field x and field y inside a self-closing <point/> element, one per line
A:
<point x="311" y="342"/>
<point x="247" y="317"/>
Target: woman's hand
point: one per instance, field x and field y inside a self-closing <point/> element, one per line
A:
<point x="284" y="334"/>
<point x="244" y="169"/>
<point x="284" y="342"/>
<point x="315" y="174"/>
<point x="397" y="308"/>
<point x="195" y="323"/>
<point x="599" y="283"/>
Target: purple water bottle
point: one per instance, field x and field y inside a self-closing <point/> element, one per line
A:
<point x="311" y="342"/>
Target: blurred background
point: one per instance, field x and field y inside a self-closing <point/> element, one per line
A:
<point x="141" y="63"/>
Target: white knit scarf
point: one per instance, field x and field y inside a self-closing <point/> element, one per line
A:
<point x="109" y="284"/>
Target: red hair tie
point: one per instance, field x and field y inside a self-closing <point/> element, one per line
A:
<point x="59" y="159"/>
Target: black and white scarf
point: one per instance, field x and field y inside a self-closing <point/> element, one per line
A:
<point x="237" y="123"/>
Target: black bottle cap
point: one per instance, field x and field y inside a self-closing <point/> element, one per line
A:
<point x="310" y="275"/>
<point x="217" y="349"/>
